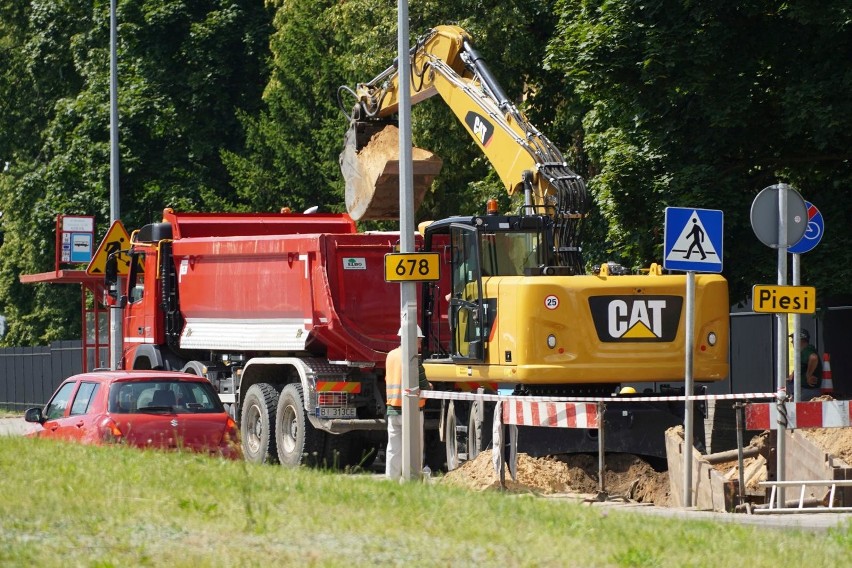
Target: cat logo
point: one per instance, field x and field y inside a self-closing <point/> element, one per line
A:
<point x="479" y="127"/>
<point x="636" y="318"/>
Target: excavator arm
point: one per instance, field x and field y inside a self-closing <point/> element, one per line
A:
<point x="445" y="63"/>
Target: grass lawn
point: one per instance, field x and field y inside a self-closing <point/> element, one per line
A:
<point x="71" y="505"/>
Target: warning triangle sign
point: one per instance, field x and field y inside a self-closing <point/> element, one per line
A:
<point x="693" y="244"/>
<point x="115" y="241"/>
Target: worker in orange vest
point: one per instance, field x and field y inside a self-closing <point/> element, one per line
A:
<point x="393" y="383"/>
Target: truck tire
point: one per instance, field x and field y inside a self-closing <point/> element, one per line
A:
<point x="257" y="425"/>
<point x="455" y="435"/>
<point x="479" y="433"/>
<point x="298" y="442"/>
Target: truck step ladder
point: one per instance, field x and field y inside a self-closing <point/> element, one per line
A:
<point x="800" y="507"/>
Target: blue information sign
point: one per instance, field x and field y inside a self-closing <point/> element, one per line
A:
<point x="813" y="233"/>
<point x="693" y="239"/>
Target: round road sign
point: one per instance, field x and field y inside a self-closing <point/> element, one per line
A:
<point x="764" y="215"/>
<point x="814" y="232"/>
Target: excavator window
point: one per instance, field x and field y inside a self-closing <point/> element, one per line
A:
<point x="466" y="310"/>
<point x="508" y="253"/>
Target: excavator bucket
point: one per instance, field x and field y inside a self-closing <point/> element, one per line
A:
<point x="370" y="166"/>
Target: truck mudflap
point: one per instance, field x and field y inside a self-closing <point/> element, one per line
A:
<point x="636" y="428"/>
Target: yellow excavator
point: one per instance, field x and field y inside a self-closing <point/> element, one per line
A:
<point x="516" y="310"/>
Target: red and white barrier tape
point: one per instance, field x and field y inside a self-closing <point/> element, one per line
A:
<point x="445" y="395"/>
<point x="820" y="414"/>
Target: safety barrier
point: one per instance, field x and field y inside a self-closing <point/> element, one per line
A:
<point x="550" y="414"/>
<point x="558" y="412"/>
<point x="797" y="415"/>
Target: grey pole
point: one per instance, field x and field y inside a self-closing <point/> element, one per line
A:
<point x="688" y="435"/>
<point x="411" y="451"/>
<point x="797" y="326"/>
<point x="115" y="314"/>
<point x="781" y="323"/>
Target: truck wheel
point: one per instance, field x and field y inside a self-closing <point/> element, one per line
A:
<point x="298" y="441"/>
<point x="257" y="426"/>
<point x="479" y="432"/>
<point x="454" y="436"/>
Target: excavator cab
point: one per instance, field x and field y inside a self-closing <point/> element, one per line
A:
<point x="482" y="251"/>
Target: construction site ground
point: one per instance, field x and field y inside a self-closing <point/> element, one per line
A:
<point x="631" y="486"/>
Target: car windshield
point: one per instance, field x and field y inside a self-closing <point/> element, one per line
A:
<point x="163" y="396"/>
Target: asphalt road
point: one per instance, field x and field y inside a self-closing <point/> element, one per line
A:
<point x="818" y="522"/>
<point x="15" y="427"/>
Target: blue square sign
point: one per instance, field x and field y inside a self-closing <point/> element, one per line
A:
<point x="693" y="239"/>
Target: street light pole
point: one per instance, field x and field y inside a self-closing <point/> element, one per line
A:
<point x="116" y="335"/>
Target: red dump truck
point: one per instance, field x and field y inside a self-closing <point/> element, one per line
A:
<point x="288" y="315"/>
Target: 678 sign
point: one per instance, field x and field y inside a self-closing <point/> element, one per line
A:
<point x="412" y="267"/>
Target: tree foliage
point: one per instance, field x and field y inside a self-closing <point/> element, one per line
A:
<point x="186" y="68"/>
<point x="703" y="104"/>
<point x="231" y="105"/>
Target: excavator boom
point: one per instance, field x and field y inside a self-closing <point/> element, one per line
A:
<point x="445" y="63"/>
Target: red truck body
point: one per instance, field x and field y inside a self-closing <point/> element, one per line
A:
<point x="277" y="283"/>
<point x="257" y="302"/>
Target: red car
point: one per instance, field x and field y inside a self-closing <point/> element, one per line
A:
<point x="148" y="409"/>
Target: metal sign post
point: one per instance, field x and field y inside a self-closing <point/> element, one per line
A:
<point x="693" y="242"/>
<point x="779" y="219"/>
<point x="812" y="237"/>
<point x="116" y="334"/>
<point x="781" y="323"/>
<point x="411" y="450"/>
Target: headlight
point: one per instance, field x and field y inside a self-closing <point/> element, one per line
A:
<point x="711" y="338"/>
<point x="551" y="341"/>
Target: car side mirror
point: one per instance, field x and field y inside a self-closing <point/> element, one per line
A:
<point x="34" y="415"/>
<point x="111" y="270"/>
<point x="111" y="281"/>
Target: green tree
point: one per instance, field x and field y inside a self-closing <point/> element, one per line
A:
<point x="318" y="46"/>
<point x="705" y="103"/>
<point x="186" y="69"/>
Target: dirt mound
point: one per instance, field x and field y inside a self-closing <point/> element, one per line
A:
<point x="835" y="441"/>
<point x="536" y="475"/>
<point x="626" y="475"/>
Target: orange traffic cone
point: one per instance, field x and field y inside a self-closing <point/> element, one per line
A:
<point x="827" y="386"/>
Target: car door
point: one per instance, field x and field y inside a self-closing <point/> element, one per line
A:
<point x="57" y="409"/>
<point x="79" y="422"/>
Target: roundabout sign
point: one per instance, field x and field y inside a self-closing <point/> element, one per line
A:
<point x="813" y="232"/>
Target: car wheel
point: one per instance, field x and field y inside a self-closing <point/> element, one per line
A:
<point x="298" y="442"/>
<point x="257" y="426"/>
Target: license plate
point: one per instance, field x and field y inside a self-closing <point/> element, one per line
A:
<point x="336" y="412"/>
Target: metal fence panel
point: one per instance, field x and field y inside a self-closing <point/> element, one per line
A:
<point x="29" y="375"/>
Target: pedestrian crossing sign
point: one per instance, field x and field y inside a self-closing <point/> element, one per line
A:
<point x="693" y="239"/>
